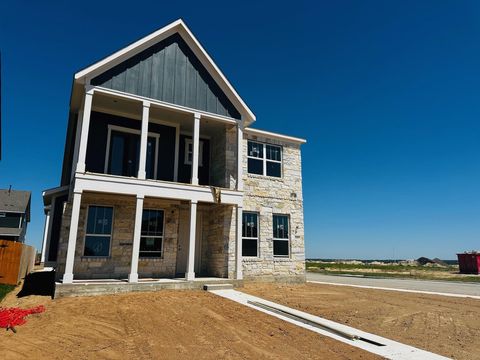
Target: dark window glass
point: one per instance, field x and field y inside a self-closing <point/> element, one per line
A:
<point x="249" y="247"/>
<point x="274" y="169"/>
<point x="150" y="165"/>
<point x="255" y="166"/>
<point x="250" y="225"/>
<point x="280" y="226"/>
<point x="10" y="220"/>
<point x="280" y="248"/>
<point x="250" y="234"/>
<point x="124" y="153"/>
<point x="99" y="230"/>
<point x="152" y="233"/>
<point x="274" y="152"/>
<point x="255" y="149"/>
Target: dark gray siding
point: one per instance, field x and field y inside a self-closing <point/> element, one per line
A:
<point x="97" y="143"/>
<point x="170" y="72"/>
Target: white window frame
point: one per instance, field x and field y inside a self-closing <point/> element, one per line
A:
<point x="253" y="238"/>
<point x="131" y="131"/>
<point x="102" y="235"/>
<point x="189" y="142"/>
<point x="156" y="237"/>
<point x="264" y="159"/>
<point x="282" y="239"/>
<point x="3" y="214"/>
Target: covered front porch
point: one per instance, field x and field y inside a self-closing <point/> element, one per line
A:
<point x="123" y="239"/>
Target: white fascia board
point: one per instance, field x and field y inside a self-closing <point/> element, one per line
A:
<point x="273" y="135"/>
<point x="152" y="188"/>
<point x="181" y="28"/>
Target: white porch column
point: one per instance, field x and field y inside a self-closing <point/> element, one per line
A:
<point x="239" y="257"/>
<point x="72" y="238"/>
<point x="143" y="141"/>
<point x="45" y="234"/>
<point x="195" y="145"/>
<point x="78" y="131"/>
<point x="82" y="148"/>
<point x="239" y="157"/>
<point x="133" y="276"/>
<point x="190" y="275"/>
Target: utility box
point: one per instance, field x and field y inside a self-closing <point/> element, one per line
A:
<point x="469" y="263"/>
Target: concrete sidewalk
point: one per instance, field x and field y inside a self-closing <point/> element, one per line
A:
<point x="447" y="287"/>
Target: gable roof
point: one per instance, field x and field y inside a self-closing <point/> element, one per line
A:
<point x="15" y="201"/>
<point x="177" y="27"/>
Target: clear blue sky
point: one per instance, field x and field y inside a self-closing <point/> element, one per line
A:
<point x="386" y="92"/>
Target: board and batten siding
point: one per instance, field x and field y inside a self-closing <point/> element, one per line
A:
<point x="169" y="71"/>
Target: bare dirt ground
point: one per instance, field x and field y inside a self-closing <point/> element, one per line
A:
<point x="443" y="325"/>
<point x="160" y="325"/>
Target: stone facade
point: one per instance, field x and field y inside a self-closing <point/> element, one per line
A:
<point x="270" y="195"/>
<point x="264" y="195"/>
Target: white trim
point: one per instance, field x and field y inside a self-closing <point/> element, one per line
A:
<point x="181" y="28"/>
<point x="114" y="184"/>
<point x="264" y="158"/>
<point x="164" y="105"/>
<point x="188" y="142"/>
<point x="131" y="131"/>
<point x="273" y="135"/>
<point x="98" y="235"/>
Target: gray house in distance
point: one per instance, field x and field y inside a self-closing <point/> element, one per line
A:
<point x="164" y="178"/>
<point x="14" y="214"/>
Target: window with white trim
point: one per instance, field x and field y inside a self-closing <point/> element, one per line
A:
<point x="281" y="236"/>
<point x="264" y="159"/>
<point x="98" y="235"/>
<point x="151" y="240"/>
<point x="189" y="152"/>
<point x="249" y="234"/>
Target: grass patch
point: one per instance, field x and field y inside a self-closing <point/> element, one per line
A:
<point x="4" y="290"/>
<point x="448" y="273"/>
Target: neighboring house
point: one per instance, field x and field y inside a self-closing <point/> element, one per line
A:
<point x="163" y="177"/>
<point x="14" y="214"/>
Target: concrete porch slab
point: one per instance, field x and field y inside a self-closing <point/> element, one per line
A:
<point x="116" y="286"/>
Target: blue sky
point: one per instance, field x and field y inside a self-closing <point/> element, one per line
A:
<point x="386" y="92"/>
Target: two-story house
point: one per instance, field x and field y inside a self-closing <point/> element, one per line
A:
<point x="14" y="214"/>
<point x="163" y="176"/>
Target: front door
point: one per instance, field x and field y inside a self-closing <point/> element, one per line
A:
<point x="183" y="240"/>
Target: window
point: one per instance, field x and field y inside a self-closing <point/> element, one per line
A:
<point x="99" y="231"/>
<point x="264" y="159"/>
<point x="189" y="152"/>
<point x="10" y="220"/>
<point x="151" y="240"/>
<point x="250" y="234"/>
<point x="280" y="235"/>
<point x="124" y="153"/>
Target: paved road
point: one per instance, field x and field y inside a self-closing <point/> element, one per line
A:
<point x="471" y="289"/>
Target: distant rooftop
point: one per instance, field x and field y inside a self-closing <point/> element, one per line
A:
<point x="15" y="201"/>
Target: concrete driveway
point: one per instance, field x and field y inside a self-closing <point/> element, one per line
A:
<point x="448" y="287"/>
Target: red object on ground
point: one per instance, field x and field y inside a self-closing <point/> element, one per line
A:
<point x="469" y="263"/>
<point x="11" y="317"/>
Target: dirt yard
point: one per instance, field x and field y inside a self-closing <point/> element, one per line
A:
<point x="444" y="325"/>
<point x="160" y="325"/>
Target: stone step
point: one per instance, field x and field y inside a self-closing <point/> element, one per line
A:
<point x="217" y="287"/>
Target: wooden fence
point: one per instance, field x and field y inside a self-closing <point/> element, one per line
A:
<point x="16" y="261"/>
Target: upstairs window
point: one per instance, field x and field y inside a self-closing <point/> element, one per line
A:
<point x="189" y="152"/>
<point x="281" y="236"/>
<point x="264" y="159"/>
<point x="151" y="240"/>
<point x="250" y="234"/>
<point x="99" y="231"/>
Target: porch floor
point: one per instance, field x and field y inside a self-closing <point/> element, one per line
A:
<point x="93" y="287"/>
